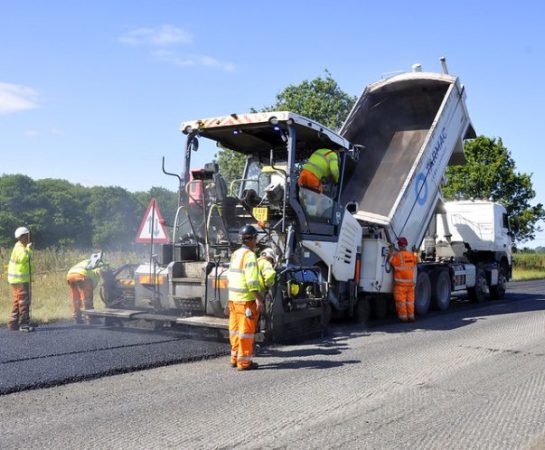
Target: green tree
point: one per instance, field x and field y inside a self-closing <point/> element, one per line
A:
<point x="115" y="216"/>
<point x="21" y="204"/>
<point x="166" y="200"/>
<point x="489" y="173"/>
<point x="320" y="99"/>
<point x="67" y="221"/>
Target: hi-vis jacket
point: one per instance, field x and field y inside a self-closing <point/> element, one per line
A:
<point x="19" y="264"/>
<point x="404" y="264"/>
<point x="243" y="276"/>
<point x="267" y="274"/>
<point x="81" y="268"/>
<point x="323" y="163"/>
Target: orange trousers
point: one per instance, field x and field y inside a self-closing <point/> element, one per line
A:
<point x="20" y="305"/>
<point x="81" y="293"/>
<point x="404" y="298"/>
<point x="309" y="180"/>
<point x="242" y="333"/>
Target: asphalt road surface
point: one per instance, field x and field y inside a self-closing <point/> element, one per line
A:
<point x="473" y="377"/>
<point x="65" y="353"/>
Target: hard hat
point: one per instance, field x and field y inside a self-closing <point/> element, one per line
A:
<point x="21" y="231"/>
<point x="402" y="241"/>
<point x="269" y="253"/>
<point x="247" y="232"/>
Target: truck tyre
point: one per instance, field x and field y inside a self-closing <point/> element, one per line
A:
<point x="379" y="308"/>
<point x="498" y="292"/>
<point x="441" y="290"/>
<point x="274" y="327"/>
<point x="478" y="293"/>
<point x="422" y="294"/>
<point x="363" y="310"/>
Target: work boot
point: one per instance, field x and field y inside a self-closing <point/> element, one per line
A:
<point x="78" y="319"/>
<point x="252" y="366"/>
<point x="26" y="328"/>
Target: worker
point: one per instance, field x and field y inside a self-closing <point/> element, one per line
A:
<point x="20" y="277"/>
<point x="404" y="265"/>
<point x="322" y="165"/>
<point x="245" y="300"/>
<point x="82" y="279"/>
<point x="265" y="266"/>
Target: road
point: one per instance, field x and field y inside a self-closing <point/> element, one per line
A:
<point x="473" y="377"/>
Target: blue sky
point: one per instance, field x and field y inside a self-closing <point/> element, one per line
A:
<point x="94" y="92"/>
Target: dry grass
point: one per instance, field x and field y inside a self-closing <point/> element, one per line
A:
<point x="50" y="294"/>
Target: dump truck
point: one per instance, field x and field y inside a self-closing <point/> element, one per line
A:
<point x="332" y="247"/>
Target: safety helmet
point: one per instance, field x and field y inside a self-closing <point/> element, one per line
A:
<point x="269" y="253"/>
<point x="402" y="241"/>
<point x="247" y="232"/>
<point x="21" y="231"/>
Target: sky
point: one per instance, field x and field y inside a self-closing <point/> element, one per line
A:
<point x="95" y="92"/>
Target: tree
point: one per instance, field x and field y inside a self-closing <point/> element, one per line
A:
<point x="114" y="216"/>
<point x="320" y="99"/>
<point x="21" y="204"/>
<point x="166" y="200"/>
<point x="67" y="220"/>
<point x="490" y="174"/>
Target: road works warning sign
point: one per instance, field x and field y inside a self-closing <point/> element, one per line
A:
<point x="152" y="229"/>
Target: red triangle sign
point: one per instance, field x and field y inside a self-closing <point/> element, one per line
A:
<point x="152" y="229"/>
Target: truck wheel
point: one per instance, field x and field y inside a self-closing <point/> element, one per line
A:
<point x="362" y="310"/>
<point x="498" y="292"/>
<point x="478" y="293"/>
<point x="422" y="294"/>
<point x="441" y="290"/>
<point x="274" y="326"/>
<point x="379" y="308"/>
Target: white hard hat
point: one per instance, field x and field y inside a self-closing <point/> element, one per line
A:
<point x="269" y="253"/>
<point x="21" y="231"/>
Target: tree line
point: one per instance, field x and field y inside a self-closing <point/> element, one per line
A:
<point x="62" y="214"/>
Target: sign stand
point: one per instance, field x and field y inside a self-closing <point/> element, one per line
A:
<point x="152" y="230"/>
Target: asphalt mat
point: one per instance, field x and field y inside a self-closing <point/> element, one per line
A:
<point x="63" y="353"/>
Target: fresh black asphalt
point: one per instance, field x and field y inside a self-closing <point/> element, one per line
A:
<point x="64" y="352"/>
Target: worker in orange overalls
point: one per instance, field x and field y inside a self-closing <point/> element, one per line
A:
<point x="404" y="265"/>
<point x="82" y="280"/>
<point x="323" y="164"/>
<point x="245" y="301"/>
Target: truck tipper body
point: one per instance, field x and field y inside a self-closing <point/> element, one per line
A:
<point x="331" y="247"/>
<point x="412" y="126"/>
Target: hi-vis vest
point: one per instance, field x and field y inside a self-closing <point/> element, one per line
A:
<point x="404" y="264"/>
<point x="323" y="163"/>
<point x="81" y="269"/>
<point x="243" y="276"/>
<point x="19" y="264"/>
<point x="267" y="274"/>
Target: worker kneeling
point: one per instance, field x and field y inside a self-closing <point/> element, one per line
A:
<point x="404" y="265"/>
<point x="322" y="165"/>
<point x="245" y="300"/>
<point x="82" y="280"/>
